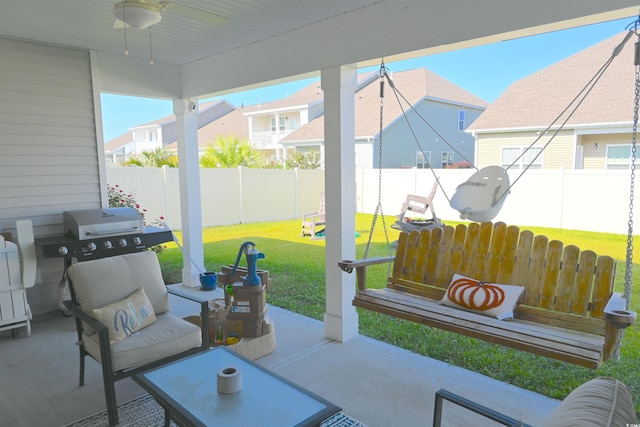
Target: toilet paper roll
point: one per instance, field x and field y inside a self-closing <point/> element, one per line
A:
<point x="229" y="380"/>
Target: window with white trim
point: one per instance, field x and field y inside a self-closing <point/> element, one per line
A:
<point x="461" y="121"/>
<point x="423" y="159"/>
<point x="446" y="159"/>
<point x="282" y="123"/>
<point x="513" y="154"/>
<point x="618" y="156"/>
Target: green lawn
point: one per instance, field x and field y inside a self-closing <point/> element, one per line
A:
<point x="296" y="266"/>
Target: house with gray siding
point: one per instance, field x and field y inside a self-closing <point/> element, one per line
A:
<point x="436" y="111"/>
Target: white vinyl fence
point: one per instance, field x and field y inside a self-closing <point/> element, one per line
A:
<point x="570" y="199"/>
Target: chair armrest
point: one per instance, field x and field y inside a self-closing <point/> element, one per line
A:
<point x="616" y="312"/>
<point x="471" y="406"/>
<point x="313" y="217"/>
<point x="204" y="313"/>
<point x="83" y="316"/>
<point x="361" y="266"/>
<point x="101" y="328"/>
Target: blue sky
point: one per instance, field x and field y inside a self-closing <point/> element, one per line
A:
<point x="485" y="71"/>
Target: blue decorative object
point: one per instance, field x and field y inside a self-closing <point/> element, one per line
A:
<point x="209" y="280"/>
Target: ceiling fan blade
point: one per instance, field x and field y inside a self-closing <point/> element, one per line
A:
<point x="118" y="24"/>
<point x="193" y="13"/>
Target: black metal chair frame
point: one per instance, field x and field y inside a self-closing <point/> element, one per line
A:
<point x="108" y="374"/>
<point x="496" y="416"/>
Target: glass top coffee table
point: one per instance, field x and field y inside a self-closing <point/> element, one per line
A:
<point x="187" y="390"/>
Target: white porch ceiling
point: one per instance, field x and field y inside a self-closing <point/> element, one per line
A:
<point x="278" y="40"/>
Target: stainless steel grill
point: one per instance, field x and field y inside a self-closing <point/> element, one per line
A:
<point x="101" y="233"/>
<point x="110" y="222"/>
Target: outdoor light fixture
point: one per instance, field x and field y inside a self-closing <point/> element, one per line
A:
<point x="137" y="14"/>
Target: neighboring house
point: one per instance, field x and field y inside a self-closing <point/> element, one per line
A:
<point x="159" y="133"/>
<point x="265" y="124"/>
<point x="597" y="136"/>
<point x="447" y="108"/>
<point x="296" y="124"/>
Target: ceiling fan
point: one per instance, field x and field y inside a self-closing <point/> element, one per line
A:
<point x="141" y="14"/>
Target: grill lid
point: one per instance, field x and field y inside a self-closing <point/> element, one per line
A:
<point x="91" y="223"/>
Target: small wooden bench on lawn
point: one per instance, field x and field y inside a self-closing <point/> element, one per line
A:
<point x="567" y="309"/>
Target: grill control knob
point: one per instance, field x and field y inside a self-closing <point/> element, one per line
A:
<point x="122" y="243"/>
<point x="137" y="240"/>
<point x="62" y="250"/>
<point x="92" y="246"/>
<point x="107" y="244"/>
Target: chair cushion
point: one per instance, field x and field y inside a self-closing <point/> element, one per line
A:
<point x="101" y="282"/>
<point x="167" y="336"/>
<point x="488" y="299"/>
<point x="600" y="402"/>
<point x="126" y="316"/>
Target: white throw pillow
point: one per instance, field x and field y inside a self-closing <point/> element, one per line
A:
<point x="488" y="299"/>
<point x="127" y="316"/>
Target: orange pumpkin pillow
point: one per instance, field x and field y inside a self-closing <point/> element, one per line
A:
<point x="488" y="299"/>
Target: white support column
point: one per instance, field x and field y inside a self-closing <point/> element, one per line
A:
<point x="186" y="111"/>
<point x="339" y="84"/>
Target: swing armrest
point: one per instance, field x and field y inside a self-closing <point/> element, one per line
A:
<point x="616" y="312"/>
<point x="360" y="267"/>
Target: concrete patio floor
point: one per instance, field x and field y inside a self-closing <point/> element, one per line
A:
<point x="376" y="383"/>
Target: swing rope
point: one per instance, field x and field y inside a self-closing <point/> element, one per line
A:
<point x="578" y="100"/>
<point x="379" y="205"/>
<point x="398" y="96"/>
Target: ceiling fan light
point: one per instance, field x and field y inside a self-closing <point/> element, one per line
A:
<point x="137" y="15"/>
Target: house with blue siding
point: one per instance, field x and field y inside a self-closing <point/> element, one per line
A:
<point x="433" y="109"/>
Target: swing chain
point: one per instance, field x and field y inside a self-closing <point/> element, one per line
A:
<point x="383" y="72"/>
<point x="628" y="272"/>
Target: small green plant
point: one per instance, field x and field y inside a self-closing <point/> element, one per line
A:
<point x="310" y="160"/>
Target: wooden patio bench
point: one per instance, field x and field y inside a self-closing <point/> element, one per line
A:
<point x="567" y="311"/>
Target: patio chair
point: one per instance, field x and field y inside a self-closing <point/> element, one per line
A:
<point x="312" y="220"/>
<point x="121" y="306"/>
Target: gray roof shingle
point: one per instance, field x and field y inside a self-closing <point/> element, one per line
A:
<point x="536" y="100"/>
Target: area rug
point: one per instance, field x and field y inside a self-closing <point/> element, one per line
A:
<point x="144" y="411"/>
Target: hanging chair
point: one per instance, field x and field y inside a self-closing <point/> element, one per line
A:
<point x="481" y="197"/>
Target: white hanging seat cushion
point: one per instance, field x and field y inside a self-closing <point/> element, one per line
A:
<point x="481" y="197"/>
<point x="167" y="336"/>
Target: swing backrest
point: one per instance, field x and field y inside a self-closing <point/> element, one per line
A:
<point x="560" y="282"/>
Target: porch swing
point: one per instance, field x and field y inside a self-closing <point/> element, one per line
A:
<point x="470" y="279"/>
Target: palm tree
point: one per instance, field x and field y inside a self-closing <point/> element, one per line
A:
<point x="154" y="159"/>
<point x="230" y="152"/>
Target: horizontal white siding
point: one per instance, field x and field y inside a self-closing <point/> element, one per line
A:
<point x="48" y="148"/>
